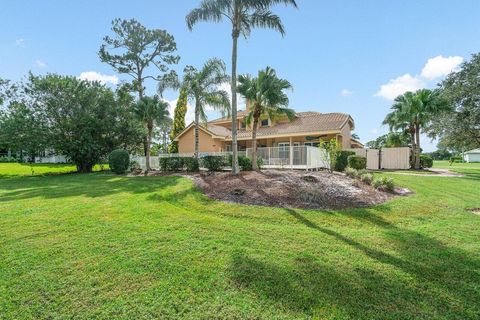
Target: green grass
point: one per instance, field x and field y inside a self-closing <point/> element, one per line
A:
<point x="99" y="246"/>
<point x="8" y="170"/>
<point x="470" y="169"/>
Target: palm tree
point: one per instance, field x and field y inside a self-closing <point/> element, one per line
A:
<point x="266" y="97"/>
<point x="152" y="111"/>
<point x="414" y="111"/>
<point x="203" y="87"/>
<point x="244" y="15"/>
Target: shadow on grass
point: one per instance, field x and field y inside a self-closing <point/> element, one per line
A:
<point x="93" y="185"/>
<point x="417" y="277"/>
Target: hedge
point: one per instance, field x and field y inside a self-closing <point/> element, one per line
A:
<point x="213" y="163"/>
<point x="357" y="162"/>
<point x="342" y="160"/>
<point x="119" y="161"/>
<point x="426" y="161"/>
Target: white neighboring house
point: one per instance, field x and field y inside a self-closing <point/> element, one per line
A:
<point x="472" y="155"/>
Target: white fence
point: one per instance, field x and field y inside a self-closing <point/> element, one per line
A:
<point x="51" y="159"/>
<point x="386" y="158"/>
<point x="294" y="157"/>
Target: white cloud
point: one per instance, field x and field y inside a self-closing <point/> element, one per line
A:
<point x="20" y="42"/>
<point x="440" y="67"/>
<point x="346" y="92"/>
<point x="435" y="69"/>
<point x="400" y="85"/>
<point x="95" y="76"/>
<point x="40" y="64"/>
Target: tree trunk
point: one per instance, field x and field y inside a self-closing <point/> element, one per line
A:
<point x="254" y="144"/>
<point x="84" y="168"/>
<point x="417" y="149"/>
<point x="197" y="120"/>
<point x="234" y="104"/>
<point x="149" y="143"/>
<point x="412" y="142"/>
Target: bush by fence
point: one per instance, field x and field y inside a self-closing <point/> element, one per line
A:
<point x="213" y="163"/>
<point x="357" y="162"/>
<point x="426" y="161"/>
<point x="119" y="161"/>
<point x="341" y="161"/>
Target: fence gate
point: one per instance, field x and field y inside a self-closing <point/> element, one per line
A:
<point x="373" y="159"/>
<point x="386" y="158"/>
<point x="395" y="158"/>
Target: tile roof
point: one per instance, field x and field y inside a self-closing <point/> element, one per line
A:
<point x="304" y="122"/>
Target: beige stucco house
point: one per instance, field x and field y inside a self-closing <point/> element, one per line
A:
<point x="305" y="129"/>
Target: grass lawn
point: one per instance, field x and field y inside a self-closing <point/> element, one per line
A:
<point x="99" y="246"/>
<point x="35" y="169"/>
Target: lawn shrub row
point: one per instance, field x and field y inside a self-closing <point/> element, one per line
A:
<point x="426" y="161"/>
<point x="379" y="183"/>
<point x="8" y="159"/>
<point x="357" y="162"/>
<point x="119" y="161"/>
<point x="177" y="164"/>
<point x="341" y="161"/>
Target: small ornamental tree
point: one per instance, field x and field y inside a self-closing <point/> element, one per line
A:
<point x="178" y="120"/>
<point x="119" y="161"/>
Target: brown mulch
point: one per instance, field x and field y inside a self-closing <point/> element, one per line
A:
<point x="294" y="189"/>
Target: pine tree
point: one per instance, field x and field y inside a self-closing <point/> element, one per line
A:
<point x="178" y="120"/>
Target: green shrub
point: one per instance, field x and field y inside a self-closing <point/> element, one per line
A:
<point x="426" y="161"/>
<point x="363" y="171"/>
<point x="174" y="164"/>
<point x="260" y="163"/>
<point x="341" y="161"/>
<point x="357" y="162"/>
<point x="213" y="163"/>
<point x="8" y="159"/>
<point x="134" y="165"/>
<point x="384" y="184"/>
<point x="366" y="178"/>
<point x="245" y="163"/>
<point x="191" y="164"/>
<point x="350" y="172"/>
<point x="456" y="159"/>
<point x="119" y="161"/>
<point x="163" y="163"/>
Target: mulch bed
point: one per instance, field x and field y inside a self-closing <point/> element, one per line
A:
<point x="294" y="189"/>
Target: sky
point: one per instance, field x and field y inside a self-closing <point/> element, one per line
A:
<point x="351" y="56"/>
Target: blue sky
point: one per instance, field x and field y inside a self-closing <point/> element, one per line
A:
<point x="337" y="54"/>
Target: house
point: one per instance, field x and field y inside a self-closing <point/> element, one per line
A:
<point x="305" y="129"/>
<point x="472" y="155"/>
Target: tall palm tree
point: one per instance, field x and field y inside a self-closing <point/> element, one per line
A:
<point x="152" y="111"/>
<point x="203" y="87"/>
<point x="414" y="111"/>
<point x="244" y="15"/>
<point x="266" y="97"/>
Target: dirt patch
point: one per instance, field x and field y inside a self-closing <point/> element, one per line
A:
<point x="321" y="190"/>
<point x="475" y="211"/>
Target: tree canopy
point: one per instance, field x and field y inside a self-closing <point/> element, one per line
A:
<point x="134" y="49"/>
<point x="459" y="128"/>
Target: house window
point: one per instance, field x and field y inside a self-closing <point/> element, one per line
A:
<point x="243" y="125"/>
<point x="228" y="147"/>
<point x="264" y="123"/>
<point x="312" y="144"/>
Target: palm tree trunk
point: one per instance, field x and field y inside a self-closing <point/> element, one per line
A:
<point x="149" y="143"/>
<point x="417" y="149"/>
<point x="254" y="144"/>
<point x="234" y="104"/>
<point x="414" y="147"/>
<point x="197" y="120"/>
